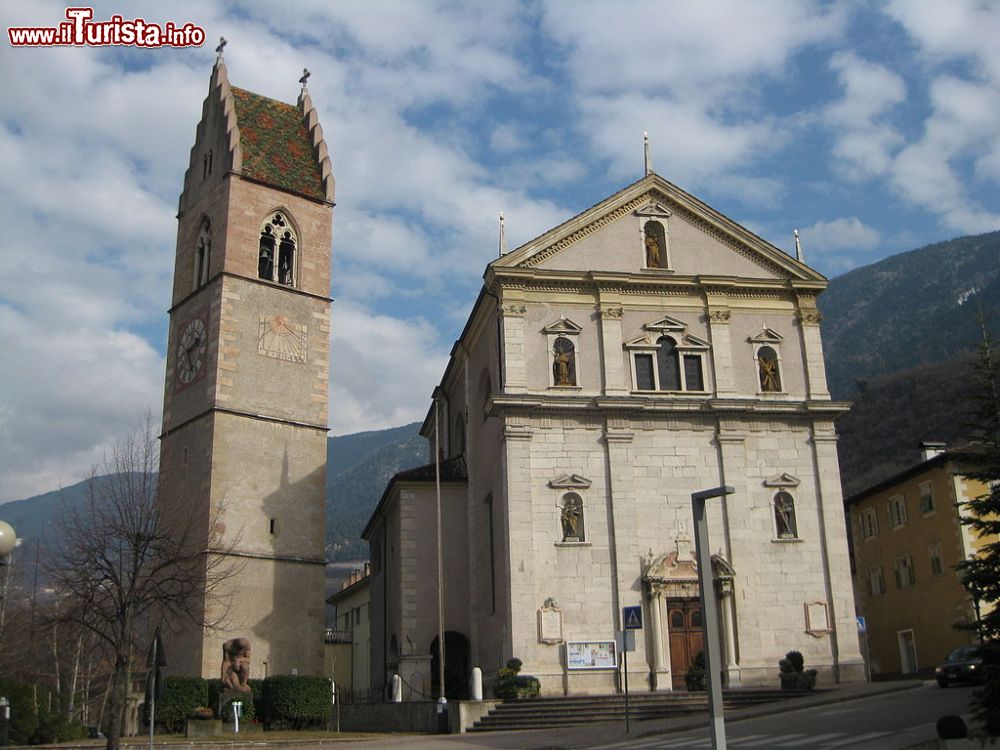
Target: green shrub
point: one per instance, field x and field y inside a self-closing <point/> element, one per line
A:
<point x="295" y="701"/>
<point x="796" y="659"/>
<point x="695" y="678"/>
<point x="794" y="674"/>
<point x="23" y="720"/>
<point x="509" y="684"/>
<point x="181" y="696"/>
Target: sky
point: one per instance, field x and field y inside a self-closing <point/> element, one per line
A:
<point x="871" y="127"/>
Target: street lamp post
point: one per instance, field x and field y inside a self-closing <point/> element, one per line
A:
<point x="709" y="611"/>
<point x="4" y="719"/>
<point x="8" y="541"/>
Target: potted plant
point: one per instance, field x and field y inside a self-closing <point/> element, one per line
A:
<point x="793" y="674"/>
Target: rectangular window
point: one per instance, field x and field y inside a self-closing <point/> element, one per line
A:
<point x="937" y="562"/>
<point x="869" y="523"/>
<point x="876" y="581"/>
<point x="693" y="380"/>
<point x="927" y="498"/>
<point x="644" y="372"/>
<point x="897" y="511"/>
<point x="904" y="572"/>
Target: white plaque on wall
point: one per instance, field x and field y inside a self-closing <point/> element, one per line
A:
<point x="549" y="623"/>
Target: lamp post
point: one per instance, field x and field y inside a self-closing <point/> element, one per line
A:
<point x="709" y="611"/>
<point x="8" y="541"/>
<point x="4" y="719"/>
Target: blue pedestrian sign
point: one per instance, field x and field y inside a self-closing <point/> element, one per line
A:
<point x="862" y="626"/>
<point x="632" y="618"/>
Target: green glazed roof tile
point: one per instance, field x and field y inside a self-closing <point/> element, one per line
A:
<point x="277" y="149"/>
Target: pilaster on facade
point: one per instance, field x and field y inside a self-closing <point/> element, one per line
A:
<point x="517" y="439"/>
<point x="611" y="350"/>
<point x="844" y="648"/>
<point x="812" y="349"/>
<point x="624" y="518"/>
<point x="722" y="351"/>
<point x="515" y="368"/>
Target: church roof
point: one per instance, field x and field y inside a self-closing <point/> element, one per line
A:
<point x="277" y="146"/>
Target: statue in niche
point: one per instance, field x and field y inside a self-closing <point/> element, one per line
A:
<point x="767" y="364"/>
<point x="655" y="241"/>
<point x="563" y="370"/>
<point x="572" y="519"/>
<point x="236" y="665"/>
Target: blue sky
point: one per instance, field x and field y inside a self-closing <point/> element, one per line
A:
<point x="869" y="126"/>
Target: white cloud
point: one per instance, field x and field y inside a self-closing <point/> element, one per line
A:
<point x="848" y="233"/>
<point x="864" y="141"/>
<point x="383" y="369"/>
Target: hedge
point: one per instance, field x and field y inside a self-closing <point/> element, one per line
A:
<point x="181" y="696"/>
<point x="295" y="701"/>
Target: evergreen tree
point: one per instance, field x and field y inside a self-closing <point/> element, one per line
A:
<point x="980" y="460"/>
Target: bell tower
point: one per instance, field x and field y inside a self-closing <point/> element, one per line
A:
<point x="243" y="447"/>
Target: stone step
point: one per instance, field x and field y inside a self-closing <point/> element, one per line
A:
<point x="549" y="711"/>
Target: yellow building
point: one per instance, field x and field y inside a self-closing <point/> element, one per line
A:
<point x="907" y="538"/>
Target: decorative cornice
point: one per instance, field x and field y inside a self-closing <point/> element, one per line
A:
<point x="589" y="229"/>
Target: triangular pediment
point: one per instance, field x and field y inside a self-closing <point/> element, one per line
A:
<point x="666" y="324"/>
<point x="766" y="336"/>
<point x="570" y="482"/>
<point x="782" y="480"/>
<point x="564" y="326"/>
<point x="654" y="209"/>
<point x="701" y="241"/>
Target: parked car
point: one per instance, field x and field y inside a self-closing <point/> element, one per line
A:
<point x="962" y="665"/>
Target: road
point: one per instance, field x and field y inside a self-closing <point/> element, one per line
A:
<point x="887" y="722"/>
<point x="891" y="721"/>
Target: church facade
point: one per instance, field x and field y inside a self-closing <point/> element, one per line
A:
<point x="243" y="449"/>
<point x="646" y="349"/>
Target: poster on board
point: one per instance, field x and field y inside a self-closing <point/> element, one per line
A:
<point x="591" y="655"/>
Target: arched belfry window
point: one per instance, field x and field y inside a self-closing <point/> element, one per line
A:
<point x="563" y="362"/>
<point x="784" y="516"/>
<point x="571" y="516"/>
<point x="768" y="371"/>
<point x="276" y="253"/>
<point x="655" y="242"/>
<point x="202" y="255"/>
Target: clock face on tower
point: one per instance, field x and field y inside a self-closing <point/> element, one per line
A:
<point x="191" y="346"/>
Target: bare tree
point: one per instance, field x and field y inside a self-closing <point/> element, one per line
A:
<point x="125" y="561"/>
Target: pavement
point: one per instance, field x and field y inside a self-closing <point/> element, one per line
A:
<point x="546" y="739"/>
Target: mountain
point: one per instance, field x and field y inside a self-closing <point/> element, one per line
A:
<point x="911" y="309"/>
<point x="363" y="464"/>
<point x="358" y="468"/>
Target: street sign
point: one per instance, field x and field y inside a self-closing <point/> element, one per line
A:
<point x="632" y="618"/>
<point x="862" y="626"/>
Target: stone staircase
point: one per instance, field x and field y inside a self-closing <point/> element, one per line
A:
<point x="548" y="712"/>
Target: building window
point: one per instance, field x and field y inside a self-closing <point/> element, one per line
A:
<point x="927" y="498"/>
<point x="571" y="516"/>
<point x="563" y="362"/>
<point x="669" y="369"/>
<point x="276" y="253"/>
<point x="202" y="255"/>
<point x="767" y="370"/>
<point x="897" y="511"/>
<point x="876" y="581"/>
<point x="937" y="562"/>
<point x="868" y="520"/>
<point x="655" y="244"/>
<point x="784" y="516"/>
<point x="904" y="572"/>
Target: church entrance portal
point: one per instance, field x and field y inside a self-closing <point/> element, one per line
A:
<point x="686" y="637"/>
<point x="457" y="669"/>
